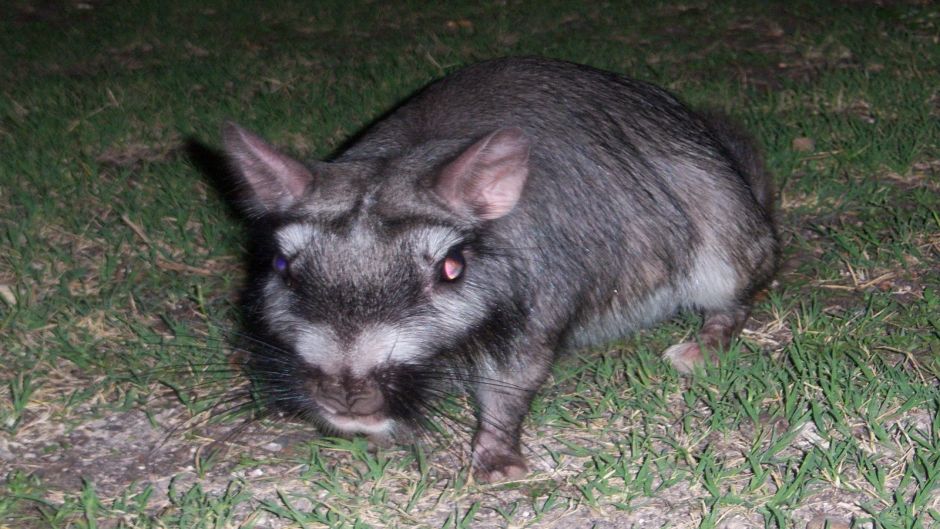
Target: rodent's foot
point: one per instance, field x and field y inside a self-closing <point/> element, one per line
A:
<point x="494" y="460"/>
<point x="684" y="357"/>
<point x="719" y="328"/>
<point x="505" y="467"/>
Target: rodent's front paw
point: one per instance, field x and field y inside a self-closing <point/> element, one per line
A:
<point x="494" y="469"/>
<point x="494" y="460"/>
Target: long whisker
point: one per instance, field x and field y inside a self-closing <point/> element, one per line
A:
<point x="262" y="368"/>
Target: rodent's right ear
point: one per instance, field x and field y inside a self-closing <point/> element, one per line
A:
<point x="271" y="181"/>
<point x="486" y="180"/>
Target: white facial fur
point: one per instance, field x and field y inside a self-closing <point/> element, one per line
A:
<point x="374" y="344"/>
<point x="293" y="238"/>
<point x="377" y="427"/>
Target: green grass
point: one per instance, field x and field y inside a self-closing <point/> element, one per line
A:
<point x="119" y="265"/>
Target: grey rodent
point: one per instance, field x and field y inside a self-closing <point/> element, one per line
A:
<point x="510" y="211"/>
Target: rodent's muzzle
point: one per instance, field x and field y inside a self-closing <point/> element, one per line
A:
<point x="345" y="395"/>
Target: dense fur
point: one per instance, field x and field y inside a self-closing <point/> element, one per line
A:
<point x="584" y="205"/>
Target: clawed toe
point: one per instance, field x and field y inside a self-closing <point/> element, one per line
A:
<point x="496" y="458"/>
<point x="501" y="468"/>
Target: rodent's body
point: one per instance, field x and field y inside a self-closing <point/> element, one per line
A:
<point x="643" y="177"/>
<point x="578" y="204"/>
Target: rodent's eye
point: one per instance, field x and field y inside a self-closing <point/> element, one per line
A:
<point x="282" y="266"/>
<point x="453" y="265"/>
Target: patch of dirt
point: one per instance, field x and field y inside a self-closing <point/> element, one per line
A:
<point x="111" y="452"/>
<point x="924" y="174"/>
<point x="135" y="154"/>
<point x="128" y="449"/>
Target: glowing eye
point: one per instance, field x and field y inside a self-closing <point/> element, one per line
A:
<point x="281" y="264"/>
<point x="453" y="265"/>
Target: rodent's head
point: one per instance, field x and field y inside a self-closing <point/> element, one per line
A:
<point x="382" y="276"/>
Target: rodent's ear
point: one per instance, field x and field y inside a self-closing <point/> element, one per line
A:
<point x="272" y="181"/>
<point x="486" y="179"/>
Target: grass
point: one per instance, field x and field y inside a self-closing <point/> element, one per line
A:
<point x="120" y="263"/>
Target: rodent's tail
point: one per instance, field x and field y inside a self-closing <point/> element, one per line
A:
<point x="746" y="155"/>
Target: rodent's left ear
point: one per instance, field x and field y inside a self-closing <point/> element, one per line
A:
<point x="274" y="181"/>
<point x="486" y="179"/>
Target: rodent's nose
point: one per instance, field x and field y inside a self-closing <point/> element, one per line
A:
<point x="352" y="396"/>
<point x="365" y="400"/>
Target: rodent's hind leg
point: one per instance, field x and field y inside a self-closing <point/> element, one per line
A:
<point x="719" y="328"/>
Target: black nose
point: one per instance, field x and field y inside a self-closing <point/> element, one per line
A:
<point x="347" y="395"/>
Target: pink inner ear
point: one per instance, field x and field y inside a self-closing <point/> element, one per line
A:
<point x="275" y="180"/>
<point x="486" y="180"/>
<point x="288" y="172"/>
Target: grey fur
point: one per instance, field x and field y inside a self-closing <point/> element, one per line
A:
<point x="633" y="207"/>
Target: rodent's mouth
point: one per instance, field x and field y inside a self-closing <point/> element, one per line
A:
<point x="365" y="424"/>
